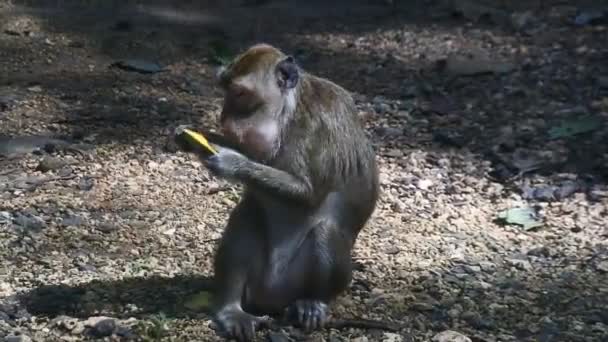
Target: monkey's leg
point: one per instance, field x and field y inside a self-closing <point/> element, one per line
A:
<point x="238" y="256"/>
<point x="329" y="262"/>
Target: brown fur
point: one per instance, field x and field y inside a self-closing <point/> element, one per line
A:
<point x="311" y="184"/>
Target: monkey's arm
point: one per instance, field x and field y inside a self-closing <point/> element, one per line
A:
<point x="233" y="165"/>
<point x="274" y="181"/>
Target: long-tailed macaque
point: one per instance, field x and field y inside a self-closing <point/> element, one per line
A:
<point x="311" y="184"/>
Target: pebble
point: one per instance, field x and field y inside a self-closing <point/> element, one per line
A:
<point x="602" y="266"/>
<point x="392" y="337"/>
<point x="487" y="266"/>
<point x="107" y="227"/>
<point x="277" y="337"/>
<point x="395" y="153"/>
<point x="360" y="339"/>
<point x="101" y="325"/>
<point x="17" y="338"/>
<point x="49" y="163"/>
<point x="73" y="221"/>
<point x="5" y="217"/>
<point x="450" y="336"/>
<point x="424" y="184"/>
<point x="520" y="264"/>
<point x="33" y="223"/>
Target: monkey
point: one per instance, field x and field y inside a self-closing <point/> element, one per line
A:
<point x="310" y="180"/>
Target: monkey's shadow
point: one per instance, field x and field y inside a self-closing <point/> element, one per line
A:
<point x="130" y="297"/>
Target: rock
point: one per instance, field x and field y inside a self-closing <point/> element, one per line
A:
<point x="360" y="339"/>
<point x="29" y="222"/>
<point x="101" y="325"/>
<point x="107" y="227"/>
<point x="450" y="336"/>
<point x="424" y="184"/>
<point x="602" y="82"/>
<point x="520" y="264"/>
<point x="590" y="17"/>
<point x="69" y="323"/>
<point x="487" y="266"/>
<point x="394" y="153"/>
<point x="522" y="21"/>
<point x="49" y="163"/>
<point x="73" y="221"/>
<point x="86" y="183"/>
<point x="602" y="266"/>
<point x="392" y="337"/>
<point x="17" y="338"/>
<point x="138" y="65"/>
<point x="474" y="64"/>
<point x="277" y="337"/>
<point x="5" y="217"/>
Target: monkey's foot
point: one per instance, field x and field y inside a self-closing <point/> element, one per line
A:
<point x="237" y="324"/>
<point x="309" y="314"/>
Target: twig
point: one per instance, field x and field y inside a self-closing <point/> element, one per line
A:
<point x="361" y="324"/>
<point x="340" y="324"/>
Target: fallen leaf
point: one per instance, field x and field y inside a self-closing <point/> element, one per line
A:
<point x="138" y="65"/>
<point x="574" y="127"/>
<point x="199" y="301"/>
<point x="525" y="217"/>
<point x="475" y="64"/>
<point x="590" y="17"/>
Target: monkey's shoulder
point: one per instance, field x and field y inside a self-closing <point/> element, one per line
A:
<point x="324" y="86"/>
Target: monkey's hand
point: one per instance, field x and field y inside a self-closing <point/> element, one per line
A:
<point x="238" y="324"/>
<point x="226" y="163"/>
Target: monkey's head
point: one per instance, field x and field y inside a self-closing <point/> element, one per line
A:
<point x="260" y="94"/>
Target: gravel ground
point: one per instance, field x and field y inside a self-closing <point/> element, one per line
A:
<point x="473" y="110"/>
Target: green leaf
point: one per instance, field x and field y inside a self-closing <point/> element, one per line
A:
<point x="220" y="53"/>
<point x="199" y="301"/>
<point x="575" y="126"/>
<point x="525" y="217"/>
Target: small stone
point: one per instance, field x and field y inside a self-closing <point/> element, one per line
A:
<point x="5" y="217"/>
<point x="49" y="163"/>
<point x="277" y="337"/>
<point x="101" y="326"/>
<point x="392" y="337"/>
<point x="472" y="269"/>
<point x="28" y="222"/>
<point x="603" y="82"/>
<point x="17" y="338"/>
<point x="487" y="266"/>
<point x="107" y="227"/>
<point x="522" y="21"/>
<point x="422" y="306"/>
<point x="450" y="336"/>
<point x="73" y="221"/>
<point x="520" y="264"/>
<point x="394" y="153"/>
<point x="602" y="266"/>
<point x="392" y="250"/>
<point x="360" y="339"/>
<point x="35" y="89"/>
<point x="86" y="183"/>
<point x="424" y="184"/>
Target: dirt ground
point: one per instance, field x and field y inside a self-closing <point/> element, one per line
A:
<point x="472" y="107"/>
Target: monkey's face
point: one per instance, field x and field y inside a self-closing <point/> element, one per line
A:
<point x="259" y="95"/>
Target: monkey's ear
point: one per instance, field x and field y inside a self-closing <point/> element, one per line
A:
<point x="287" y="73"/>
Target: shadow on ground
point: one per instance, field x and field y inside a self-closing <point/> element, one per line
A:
<point x="149" y="295"/>
<point x="528" y="305"/>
